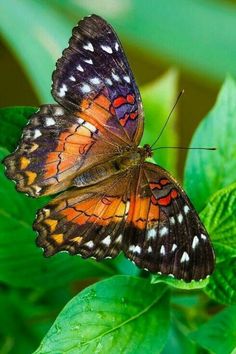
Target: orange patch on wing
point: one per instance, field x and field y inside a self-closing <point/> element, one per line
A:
<point x="52" y="157"/>
<point x="70" y="213"/>
<point x="84" y="105"/>
<point x="50" y="170"/>
<point x="52" y="223"/>
<point x="31" y="176"/>
<point x="103" y="101"/>
<point x="24" y="162"/>
<point x="154" y="212"/>
<point x="94" y="210"/>
<point x="77" y="239"/>
<point x="58" y="238"/>
<point x="142" y="211"/>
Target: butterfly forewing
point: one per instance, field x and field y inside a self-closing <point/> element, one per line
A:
<point x="93" y="79"/>
<point x="164" y="233"/>
<point x="53" y="149"/>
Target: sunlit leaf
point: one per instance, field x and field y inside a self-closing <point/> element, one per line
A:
<point x="222" y="283"/>
<point x="180" y="284"/>
<point x="219" y="218"/>
<point x="218" y="335"/>
<point x="120" y="314"/>
<point x="208" y="171"/>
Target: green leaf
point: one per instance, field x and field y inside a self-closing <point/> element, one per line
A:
<point x="208" y="171"/>
<point x="179" y="284"/>
<point x="222" y="283"/>
<point x="219" y="218"/>
<point x="158" y="99"/>
<point x="13" y="119"/>
<point x="218" y="335"/>
<point x="122" y="314"/>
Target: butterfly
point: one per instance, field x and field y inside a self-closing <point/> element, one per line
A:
<point x="87" y="146"/>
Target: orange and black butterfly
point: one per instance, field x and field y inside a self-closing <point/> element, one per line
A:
<point x="87" y="144"/>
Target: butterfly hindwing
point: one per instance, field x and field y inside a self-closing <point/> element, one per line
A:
<point x="164" y="233"/>
<point x="93" y="77"/>
<point x="88" y="221"/>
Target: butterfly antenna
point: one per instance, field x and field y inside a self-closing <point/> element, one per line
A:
<point x="185" y="148"/>
<point x="168" y="118"/>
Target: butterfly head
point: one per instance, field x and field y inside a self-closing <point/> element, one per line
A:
<point x="146" y="151"/>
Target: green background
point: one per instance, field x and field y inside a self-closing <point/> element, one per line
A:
<point x="171" y="45"/>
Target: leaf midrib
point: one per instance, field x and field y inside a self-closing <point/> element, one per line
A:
<point x="139" y="314"/>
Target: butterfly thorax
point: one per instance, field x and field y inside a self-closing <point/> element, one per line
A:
<point x="126" y="161"/>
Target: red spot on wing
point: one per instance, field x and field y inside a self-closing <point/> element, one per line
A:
<point x="154" y="185"/>
<point x="130" y="99"/>
<point x="164" y="181"/>
<point x="119" y="101"/>
<point x="165" y="201"/>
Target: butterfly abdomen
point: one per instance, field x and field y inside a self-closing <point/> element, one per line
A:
<point x="108" y="169"/>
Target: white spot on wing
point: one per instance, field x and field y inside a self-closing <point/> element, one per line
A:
<point x="162" y="251"/>
<point x="115" y="77"/>
<point x="107" y="240"/>
<point x="49" y="121"/>
<point x="89" y="61"/>
<point x="180" y="218"/>
<point x="37" y="133"/>
<point x="127" y="206"/>
<point x="127" y="78"/>
<point x="195" y="242"/>
<point x="151" y="233"/>
<point x="173" y="247"/>
<point x="116" y="46"/>
<point x="108" y="81"/>
<point x="119" y="238"/>
<point x="149" y="249"/>
<point x="163" y="231"/>
<point x="172" y="220"/>
<point x="89" y="244"/>
<point x="62" y="91"/>
<point x="72" y="78"/>
<point x="135" y="249"/>
<point x="37" y="189"/>
<point x="186" y="209"/>
<point x="90" y="127"/>
<point x="79" y="67"/>
<point x="89" y="46"/>
<point x="185" y="257"/>
<point x="80" y="120"/>
<point x="58" y="111"/>
<point x="107" y="49"/>
<point x="95" y="81"/>
<point x="85" y="88"/>
<point x="203" y="237"/>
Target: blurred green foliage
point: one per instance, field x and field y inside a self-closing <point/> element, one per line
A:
<point x="125" y="312"/>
